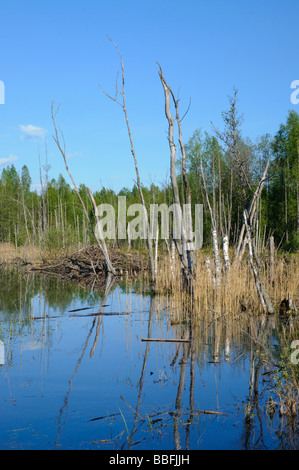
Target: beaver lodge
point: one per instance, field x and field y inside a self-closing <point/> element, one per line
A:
<point x="87" y="266"/>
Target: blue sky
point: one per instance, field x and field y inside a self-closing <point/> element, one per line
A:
<point x="59" y="50"/>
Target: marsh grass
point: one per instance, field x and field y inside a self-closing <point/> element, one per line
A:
<point x="33" y="254"/>
<point x="9" y="253"/>
<point x="232" y="314"/>
<point x="237" y="291"/>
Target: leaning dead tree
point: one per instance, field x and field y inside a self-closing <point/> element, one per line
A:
<point x="249" y="238"/>
<point x="97" y="233"/>
<point x="255" y="266"/>
<point x="251" y="212"/>
<point x="122" y="104"/>
<point x="184" y="244"/>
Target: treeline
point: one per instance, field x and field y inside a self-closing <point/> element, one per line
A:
<point x="53" y="218"/>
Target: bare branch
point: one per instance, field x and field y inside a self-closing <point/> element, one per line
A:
<point x="101" y="243"/>
<point x="124" y="107"/>
<point x="187" y="111"/>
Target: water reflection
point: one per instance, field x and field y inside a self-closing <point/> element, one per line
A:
<point x="81" y="372"/>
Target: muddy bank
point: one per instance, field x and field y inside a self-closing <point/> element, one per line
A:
<point x="87" y="266"/>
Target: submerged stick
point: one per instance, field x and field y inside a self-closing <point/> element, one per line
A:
<point x="100" y="313"/>
<point x="134" y="411"/>
<point x="166" y="340"/>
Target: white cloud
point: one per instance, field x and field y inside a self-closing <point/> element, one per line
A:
<point x="7" y="161"/>
<point x="31" y="132"/>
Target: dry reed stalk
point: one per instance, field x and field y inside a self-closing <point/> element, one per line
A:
<point x="237" y="291"/>
<point x="28" y="253"/>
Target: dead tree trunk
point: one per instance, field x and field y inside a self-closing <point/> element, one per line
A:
<point x="101" y="242"/>
<point x="226" y="253"/>
<point x="214" y="234"/>
<point x="271" y="259"/>
<point x="252" y="210"/>
<point x="122" y="104"/>
<point x="189" y="235"/>
<point x="183" y="245"/>
<point x="255" y="266"/>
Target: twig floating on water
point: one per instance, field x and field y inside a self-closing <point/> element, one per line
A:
<point x="107" y="314"/>
<point x="104" y="417"/>
<point x="79" y="309"/>
<point x="167" y="340"/>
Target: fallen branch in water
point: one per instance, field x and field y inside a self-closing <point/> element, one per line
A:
<point x="104" y="417"/>
<point x="100" y="313"/>
<point x="206" y="412"/>
<point x="166" y="340"/>
<point x="134" y="411"/>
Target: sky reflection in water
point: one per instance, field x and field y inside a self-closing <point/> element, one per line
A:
<point x="73" y="380"/>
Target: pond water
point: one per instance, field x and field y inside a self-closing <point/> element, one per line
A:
<point x="70" y="379"/>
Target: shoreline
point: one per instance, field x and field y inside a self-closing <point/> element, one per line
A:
<point x="84" y="266"/>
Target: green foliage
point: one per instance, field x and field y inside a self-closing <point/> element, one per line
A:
<point x="55" y="219"/>
<point x="283" y="191"/>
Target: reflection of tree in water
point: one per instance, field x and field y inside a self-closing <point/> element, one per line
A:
<point x="252" y="337"/>
<point x="212" y="339"/>
<point x="18" y="289"/>
<point x="97" y="321"/>
<point x="25" y="297"/>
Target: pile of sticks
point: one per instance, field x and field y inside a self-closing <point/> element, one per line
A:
<point x="87" y="266"/>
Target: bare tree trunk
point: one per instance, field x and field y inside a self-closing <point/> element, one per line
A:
<point x="25" y="216"/>
<point x="101" y="242"/>
<point x="189" y="235"/>
<point x="156" y="250"/>
<point x="254" y="263"/>
<point x="124" y="108"/>
<point x="217" y="258"/>
<point x="220" y="197"/>
<point x="252" y="210"/>
<point x="209" y="272"/>
<point x="43" y="196"/>
<point x="182" y="248"/>
<point x="214" y="234"/>
<point x="271" y="258"/>
<point x="226" y="253"/>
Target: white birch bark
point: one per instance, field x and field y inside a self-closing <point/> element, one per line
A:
<point x="209" y="272"/>
<point x="217" y="259"/>
<point x="226" y="253"/>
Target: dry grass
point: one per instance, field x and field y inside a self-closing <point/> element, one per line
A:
<point x="237" y="291"/>
<point x="35" y="255"/>
<point x="232" y="315"/>
<point x="9" y="253"/>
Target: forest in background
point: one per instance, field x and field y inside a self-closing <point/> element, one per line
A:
<point x="53" y="218"/>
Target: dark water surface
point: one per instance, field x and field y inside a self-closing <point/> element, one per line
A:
<point x="74" y="380"/>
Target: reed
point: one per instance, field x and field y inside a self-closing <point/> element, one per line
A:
<point x="230" y="313"/>
<point x="236" y="291"/>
